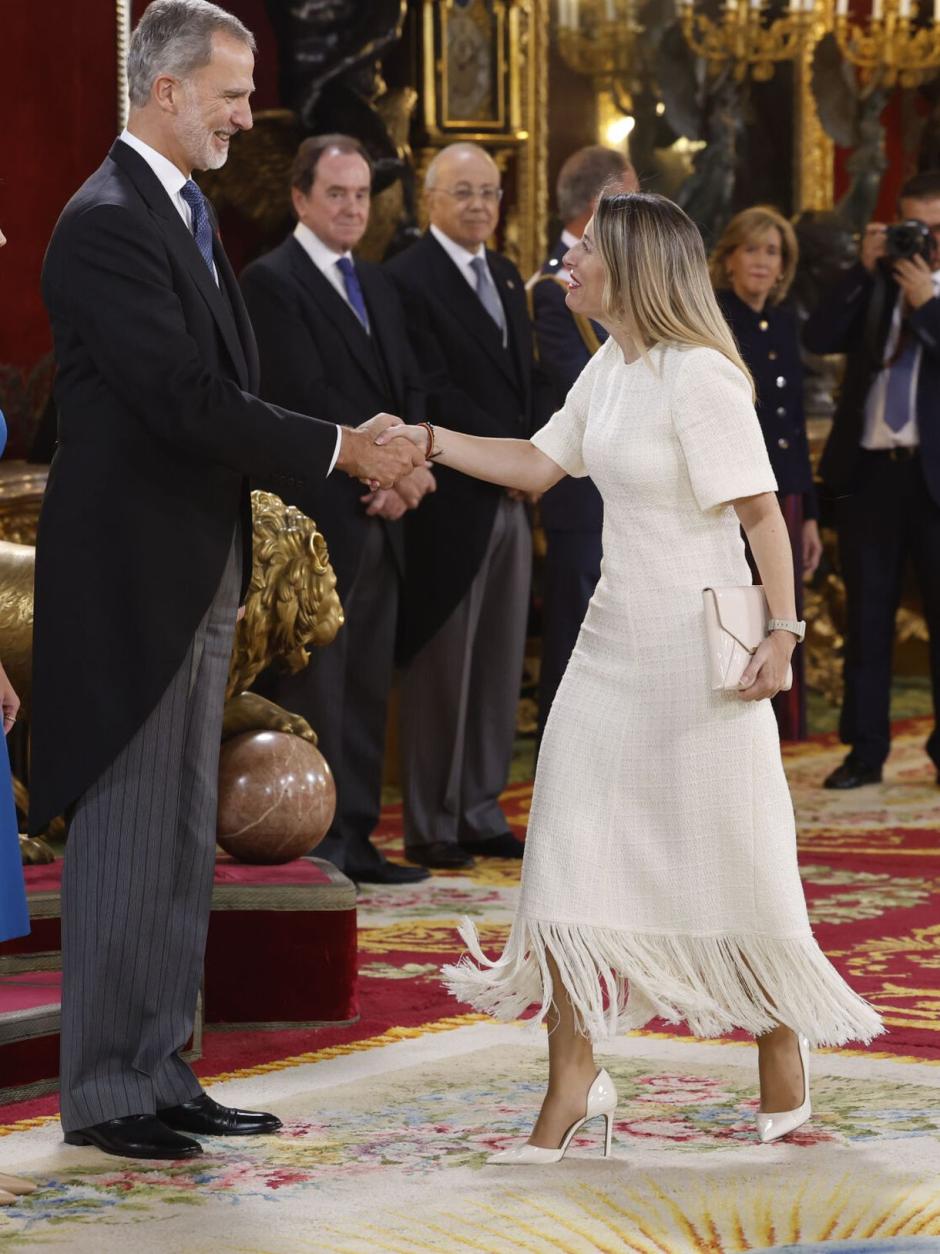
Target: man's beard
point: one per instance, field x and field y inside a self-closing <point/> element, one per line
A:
<point x="196" y="141"/>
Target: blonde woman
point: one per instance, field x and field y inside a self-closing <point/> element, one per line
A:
<point x="752" y="268"/>
<point x="660" y="873"/>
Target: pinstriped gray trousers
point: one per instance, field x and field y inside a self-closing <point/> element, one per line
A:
<point x="137" y="890"/>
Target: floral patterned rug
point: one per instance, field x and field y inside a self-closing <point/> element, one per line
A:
<point x="388" y="1123"/>
<point x="384" y="1149"/>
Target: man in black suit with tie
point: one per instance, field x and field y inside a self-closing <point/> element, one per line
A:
<point x="143" y="554"/>
<point x="331" y="336"/>
<point x="469" y="546"/>
<point x="882" y="466"/>
<point x="572" y="512"/>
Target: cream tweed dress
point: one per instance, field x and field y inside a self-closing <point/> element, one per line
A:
<point x="660" y="863"/>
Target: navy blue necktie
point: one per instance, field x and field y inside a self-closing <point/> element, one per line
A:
<point x="353" y="290"/>
<point x="898" y="410"/>
<point x="202" y="228"/>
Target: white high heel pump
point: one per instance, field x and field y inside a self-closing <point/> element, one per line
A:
<point x="601" y="1100"/>
<point x="772" y="1126"/>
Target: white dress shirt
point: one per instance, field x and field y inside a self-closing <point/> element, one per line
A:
<point x="462" y="257"/>
<point x="172" y="179"/>
<point x="568" y="239"/>
<point x="877" y="435"/>
<point x="324" y="258"/>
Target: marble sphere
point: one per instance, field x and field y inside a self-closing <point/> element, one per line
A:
<point x="277" y="797"/>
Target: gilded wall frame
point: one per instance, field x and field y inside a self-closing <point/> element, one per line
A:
<point x="122" y="41"/>
<point x="512" y="49"/>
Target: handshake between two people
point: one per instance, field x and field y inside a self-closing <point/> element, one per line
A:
<point x="378" y="465"/>
<point x="397" y="475"/>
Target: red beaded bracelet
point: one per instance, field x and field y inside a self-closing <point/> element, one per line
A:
<point x="429" y="451"/>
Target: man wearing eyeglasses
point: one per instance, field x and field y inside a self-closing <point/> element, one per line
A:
<point x="465" y="606"/>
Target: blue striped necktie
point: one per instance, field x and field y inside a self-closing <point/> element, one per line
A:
<point x="202" y="228"/>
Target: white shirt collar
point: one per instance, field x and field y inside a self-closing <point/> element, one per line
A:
<point x="322" y="256"/>
<point x="568" y="239"/>
<point x="170" y="176"/>
<point x="459" y="255"/>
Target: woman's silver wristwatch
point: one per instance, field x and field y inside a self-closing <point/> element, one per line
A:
<point x="797" y="629"/>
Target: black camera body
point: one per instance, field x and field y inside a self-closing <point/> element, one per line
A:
<point x="909" y="239"/>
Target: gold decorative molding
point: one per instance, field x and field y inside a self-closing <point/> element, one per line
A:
<point x="510" y="53"/>
<point x="21" y="489"/>
<point x="123" y="33"/>
<point x="814" y="151"/>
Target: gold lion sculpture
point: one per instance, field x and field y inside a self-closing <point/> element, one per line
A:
<point x="292" y="603"/>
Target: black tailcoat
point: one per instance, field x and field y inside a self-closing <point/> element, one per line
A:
<point x="572" y="504"/>
<point x="474" y="385"/>
<point x="315" y="352"/>
<point x="158" y="430"/>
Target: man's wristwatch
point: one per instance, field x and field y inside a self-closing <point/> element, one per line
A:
<point x="797" y="629"/>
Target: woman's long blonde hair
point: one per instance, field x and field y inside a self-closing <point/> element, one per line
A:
<point x="657" y="283"/>
<point x="752" y="224"/>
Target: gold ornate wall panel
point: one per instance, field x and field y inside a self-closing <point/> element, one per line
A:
<point x="813" y="169"/>
<point x="485" y="79"/>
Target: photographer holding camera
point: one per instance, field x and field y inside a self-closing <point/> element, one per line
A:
<point x="882" y="460"/>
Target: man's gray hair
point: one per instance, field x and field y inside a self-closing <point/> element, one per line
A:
<point x="583" y="176"/>
<point x="461" y="146"/>
<point x="175" y="37"/>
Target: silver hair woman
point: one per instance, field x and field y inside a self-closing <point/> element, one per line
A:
<point x="660" y="874"/>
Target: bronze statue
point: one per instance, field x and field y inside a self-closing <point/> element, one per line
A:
<point x="329" y="57"/>
<point x="850" y="112"/>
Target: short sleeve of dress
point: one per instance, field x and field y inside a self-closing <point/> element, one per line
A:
<point x="718" y="430"/>
<point x="562" y="437"/>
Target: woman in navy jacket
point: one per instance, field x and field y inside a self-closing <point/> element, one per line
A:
<point x="752" y="268"/>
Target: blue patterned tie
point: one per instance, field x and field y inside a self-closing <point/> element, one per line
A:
<point x="353" y="290"/>
<point x="489" y="297"/>
<point x="898" y="383"/>
<point x="202" y="228"/>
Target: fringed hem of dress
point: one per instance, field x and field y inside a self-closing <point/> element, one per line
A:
<point x="617" y="981"/>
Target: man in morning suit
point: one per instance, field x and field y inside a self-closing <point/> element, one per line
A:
<point x="468" y="547"/>
<point x="143" y="555"/>
<point x="572" y="512"/>
<point x="331" y="336"/>
<point x="881" y="463"/>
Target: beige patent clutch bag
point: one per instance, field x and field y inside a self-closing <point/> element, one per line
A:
<point x="735" y="624"/>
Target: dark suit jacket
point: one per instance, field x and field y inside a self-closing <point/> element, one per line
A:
<point x="315" y="353"/>
<point x="770" y="345"/>
<point x="474" y="385"/>
<point x="158" y="428"/>
<point x="572" y="504"/>
<point x="841" y="324"/>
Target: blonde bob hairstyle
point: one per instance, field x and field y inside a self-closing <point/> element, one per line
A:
<point x="747" y="227"/>
<point x="656" y="282"/>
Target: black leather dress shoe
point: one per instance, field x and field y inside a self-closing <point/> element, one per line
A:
<point x="503" y="846"/>
<point x="135" y="1136"/>
<point x="386" y="873"/>
<point x="852" y="774"/>
<point x="441" y="855"/>
<point x="205" y="1117"/>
